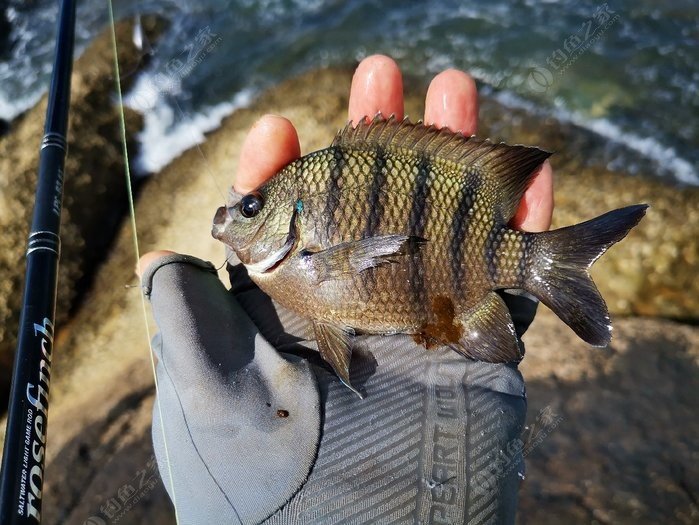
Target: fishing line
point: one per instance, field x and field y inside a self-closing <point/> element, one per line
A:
<point x="226" y="260"/>
<point x="132" y="213"/>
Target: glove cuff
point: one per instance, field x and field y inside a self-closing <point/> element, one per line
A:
<point x="174" y="258"/>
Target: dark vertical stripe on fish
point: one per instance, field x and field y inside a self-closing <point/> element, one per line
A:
<point x="376" y="208"/>
<point x="418" y="222"/>
<point x="332" y="198"/>
<point x="378" y="183"/>
<point x="459" y="231"/>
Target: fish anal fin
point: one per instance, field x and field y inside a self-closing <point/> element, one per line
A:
<point x="335" y="346"/>
<point x="488" y="332"/>
<point x="353" y="257"/>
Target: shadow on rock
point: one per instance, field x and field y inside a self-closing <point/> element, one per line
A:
<point x="622" y="445"/>
<point x="107" y="473"/>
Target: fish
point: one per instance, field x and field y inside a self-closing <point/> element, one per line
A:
<point x="400" y="227"/>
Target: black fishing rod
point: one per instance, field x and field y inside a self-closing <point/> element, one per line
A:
<point x="22" y="475"/>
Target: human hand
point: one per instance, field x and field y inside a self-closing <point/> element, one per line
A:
<point x="254" y="433"/>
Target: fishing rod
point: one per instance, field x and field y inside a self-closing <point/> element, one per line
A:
<point x="22" y="475"/>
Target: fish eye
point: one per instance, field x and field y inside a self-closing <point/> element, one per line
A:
<point x="251" y="204"/>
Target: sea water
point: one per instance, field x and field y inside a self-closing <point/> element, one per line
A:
<point x="628" y="71"/>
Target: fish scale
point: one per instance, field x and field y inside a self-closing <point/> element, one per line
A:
<point x="356" y="214"/>
<point x="402" y="228"/>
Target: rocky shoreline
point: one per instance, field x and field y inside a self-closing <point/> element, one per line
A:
<point x="625" y="449"/>
<point x="95" y="189"/>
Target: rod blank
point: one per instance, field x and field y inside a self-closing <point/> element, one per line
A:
<point x="24" y="452"/>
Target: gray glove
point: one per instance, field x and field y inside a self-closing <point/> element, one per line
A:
<point x="259" y="430"/>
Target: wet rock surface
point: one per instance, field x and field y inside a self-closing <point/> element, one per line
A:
<point x="619" y="440"/>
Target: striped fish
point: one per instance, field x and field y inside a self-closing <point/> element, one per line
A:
<point x="403" y="228"/>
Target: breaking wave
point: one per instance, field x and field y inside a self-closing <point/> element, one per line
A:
<point x="665" y="158"/>
<point x="168" y="131"/>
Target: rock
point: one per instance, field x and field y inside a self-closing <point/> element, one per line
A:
<point x="623" y="442"/>
<point x="95" y="189"/>
<point x="627" y="440"/>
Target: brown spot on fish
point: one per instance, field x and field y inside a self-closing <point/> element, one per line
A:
<point x="444" y="328"/>
<point x="423" y="340"/>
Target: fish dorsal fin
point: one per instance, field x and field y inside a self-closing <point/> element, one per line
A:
<point x="506" y="169"/>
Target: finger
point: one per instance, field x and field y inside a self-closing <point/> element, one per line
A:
<point x="536" y="207"/>
<point x="377" y="85"/>
<point x="149" y="258"/>
<point x="270" y="145"/>
<point x="452" y="101"/>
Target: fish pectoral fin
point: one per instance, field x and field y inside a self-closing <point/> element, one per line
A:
<point x="488" y="332"/>
<point x="335" y="346"/>
<point x="353" y="257"/>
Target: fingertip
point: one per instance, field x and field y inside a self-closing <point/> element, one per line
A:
<point x="150" y="258"/>
<point x="452" y="102"/>
<point x="536" y="208"/>
<point x="271" y="144"/>
<point x="377" y="86"/>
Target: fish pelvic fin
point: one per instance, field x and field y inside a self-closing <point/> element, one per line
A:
<point x="559" y="275"/>
<point x="350" y="258"/>
<point x="488" y="333"/>
<point x="335" y="346"/>
<point x="506" y="170"/>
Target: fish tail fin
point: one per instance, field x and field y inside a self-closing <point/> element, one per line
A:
<point x="559" y="276"/>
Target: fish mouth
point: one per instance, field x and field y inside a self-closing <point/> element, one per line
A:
<point x="221" y="220"/>
<point x="272" y="261"/>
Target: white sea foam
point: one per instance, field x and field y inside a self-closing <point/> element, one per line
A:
<point x="20" y="88"/>
<point x="649" y="147"/>
<point x="9" y="109"/>
<point x="25" y="72"/>
<point x="166" y="134"/>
